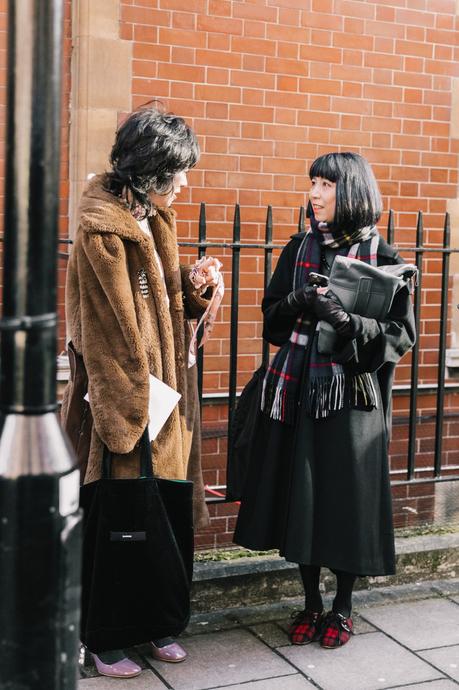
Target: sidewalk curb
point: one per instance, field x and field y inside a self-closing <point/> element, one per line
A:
<point x="260" y="580"/>
<point x="227" y="618"/>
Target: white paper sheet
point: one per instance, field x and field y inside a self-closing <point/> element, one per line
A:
<point x="161" y="402"/>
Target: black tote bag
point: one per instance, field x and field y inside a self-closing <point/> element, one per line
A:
<point x="137" y="557"/>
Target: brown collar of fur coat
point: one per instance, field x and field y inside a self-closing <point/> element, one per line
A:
<point x="102" y="212"/>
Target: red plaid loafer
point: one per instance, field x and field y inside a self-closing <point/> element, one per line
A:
<point x="306" y="627"/>
<point x="336" y="630"/>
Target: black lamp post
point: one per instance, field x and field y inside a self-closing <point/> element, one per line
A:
<point x="39" y="519"/>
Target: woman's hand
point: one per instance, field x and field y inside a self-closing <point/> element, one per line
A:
<point x="328" y="309"/>
<point x="302" y="299"/>
<point x="205" y="273"/>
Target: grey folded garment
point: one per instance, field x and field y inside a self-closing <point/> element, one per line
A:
<point x="363" y="289"/>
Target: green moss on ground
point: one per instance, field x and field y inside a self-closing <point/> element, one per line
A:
<point x="229" y="554"/>
<point x="234" y="554"/>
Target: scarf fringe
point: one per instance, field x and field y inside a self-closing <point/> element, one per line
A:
<point x="325" y="396"/>
<point x="363" y="392"/>
<point x="278" y="404"/>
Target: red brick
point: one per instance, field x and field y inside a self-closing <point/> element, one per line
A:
<point x="442" y="67"/>
<point x="217" y="25"/>
<point x="284" y="66"/>
<point x="253" y="45"/>
<point x="384" y="29"/>
<point x="352" y="89"/>
<point x="147" y="34"/>
<point x="351" y="105"/>
<point x="383" y="93"/>
<point x="181" y="37"/>
<point x="383" y="60"/>
<point x="289" y="16"/>
<point x="329" y="55"/>
<point x="217" y="76"/>
<point x="218" y="41"/>
<point x="190" y="6"/>
<point x="329" y="86"/>
<point x="246" y="11"/>
<point x="212" y="92"/>
<point x="287" y="50"/>
<point x="253" y="62"/>
<point x="247" y="113"/>
<point x="317" y="20"/>
<point x="426" y="19"/>
<point x="218" y="59"/>
<point x="346" y="40"/>
<point x="220" y="8"/>
<point x="286" y="83"/>
<point x="137" y="15"/>
<point x="178" y="72"/>
<point x="280" y="32"/>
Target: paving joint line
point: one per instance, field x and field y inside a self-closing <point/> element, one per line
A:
<point x="412" y="651"/>
<point x="157" y="673"/>
<point x="302" y="673"/>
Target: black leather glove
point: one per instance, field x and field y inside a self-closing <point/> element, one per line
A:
<point x="302" y="299"/>
<point x="328" y="309"/>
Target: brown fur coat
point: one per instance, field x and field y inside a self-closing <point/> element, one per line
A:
<point x="124" y="333"/>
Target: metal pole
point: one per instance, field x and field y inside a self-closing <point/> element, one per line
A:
<point x="39" y="485"/>
<point x="415" y="352"/>
<point x="201" y="253"/>
<point x="235" y="265"/>
<point x="442" y="348"/>
<point x="390" y="227"/>
<point x="268" y="265"/>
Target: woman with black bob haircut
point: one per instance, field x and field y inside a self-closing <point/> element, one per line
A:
<point x="317" y="485"/>
<point x="358" y="201"/>
<point x="128" y="304"/>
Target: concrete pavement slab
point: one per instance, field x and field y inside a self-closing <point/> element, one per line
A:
<point x="225" y="658"/>
<point x="434" y="685"/>
<point x="146" y="681"/>
<point x="444" y="658"/>
<point x="420" y="624"/>
<point x="271" y="634"/>
<point x="295" y="682"/>
<point x="368" y="662"/>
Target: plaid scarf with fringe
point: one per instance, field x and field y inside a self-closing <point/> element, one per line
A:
<point x="328" y="387"/>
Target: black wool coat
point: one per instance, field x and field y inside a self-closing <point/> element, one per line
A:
<point x="319" y="491"/>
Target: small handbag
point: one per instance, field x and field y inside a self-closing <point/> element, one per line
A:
<point x="247" y="413"/>
<point x="137" y="557"/>
<point x="363" y="289"/>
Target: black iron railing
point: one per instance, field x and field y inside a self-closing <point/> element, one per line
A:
<point x="419" y="250"/>
<point x="451" y="472"/>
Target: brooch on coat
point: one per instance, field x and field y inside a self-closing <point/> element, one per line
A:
<point x="143" y="283"/>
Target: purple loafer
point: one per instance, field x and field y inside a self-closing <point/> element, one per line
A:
<point x="172" y="653"/>
<point x="120" y="669"/>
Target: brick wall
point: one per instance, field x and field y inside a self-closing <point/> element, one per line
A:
<point x="269" y="85"/>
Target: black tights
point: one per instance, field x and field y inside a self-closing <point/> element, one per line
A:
<point x="342" y="603"/>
